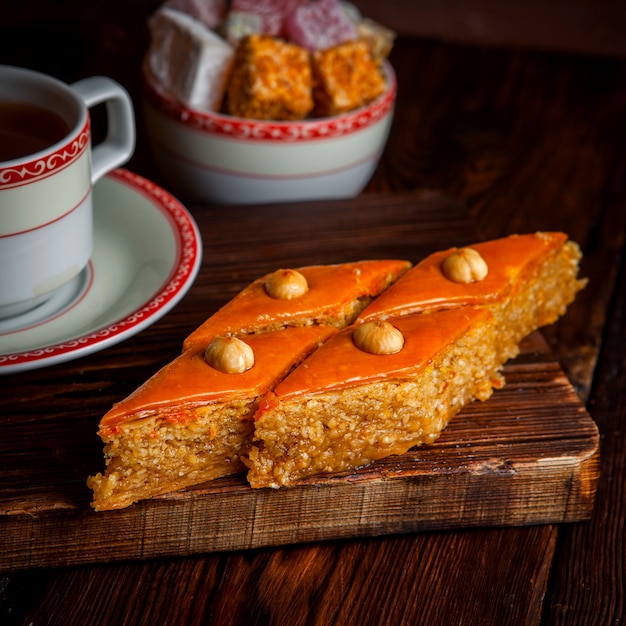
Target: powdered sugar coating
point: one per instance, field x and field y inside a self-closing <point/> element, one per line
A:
<point x="208" y="12"/>
<point x="320" y="25"/>
<point x="273" y="12"/>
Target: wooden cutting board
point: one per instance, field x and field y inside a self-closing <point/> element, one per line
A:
<point x="529" y="455"/>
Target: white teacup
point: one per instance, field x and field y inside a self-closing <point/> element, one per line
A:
<point x="47" y="171"/>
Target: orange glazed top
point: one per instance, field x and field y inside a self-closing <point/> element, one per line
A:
<point x="331" y="289"/>
<point x="426" y="287"/>
<point x="188" y="380"/>
<point x="339" y="363"/>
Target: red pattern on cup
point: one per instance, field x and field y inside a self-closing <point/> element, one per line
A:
<point x="37" y="169"/>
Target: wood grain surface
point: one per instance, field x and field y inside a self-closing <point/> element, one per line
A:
<point x="528" y="455"/>
<point x="522" y="139"/>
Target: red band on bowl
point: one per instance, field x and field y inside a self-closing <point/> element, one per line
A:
<point x="261" y="130"/>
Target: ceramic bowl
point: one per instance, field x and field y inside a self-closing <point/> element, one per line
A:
<point x="220" y="159"/>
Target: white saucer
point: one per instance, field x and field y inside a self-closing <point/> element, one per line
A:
<point x="147" y="253"/>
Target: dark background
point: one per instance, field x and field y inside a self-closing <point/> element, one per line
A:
<point x="71" y="39"/>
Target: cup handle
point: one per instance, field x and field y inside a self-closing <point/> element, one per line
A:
<point x="119" y="144"/>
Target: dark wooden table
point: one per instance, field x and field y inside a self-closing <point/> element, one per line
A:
<point x="515" y="139"/>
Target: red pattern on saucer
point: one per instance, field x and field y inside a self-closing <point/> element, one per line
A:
<point x="188" y="258"/>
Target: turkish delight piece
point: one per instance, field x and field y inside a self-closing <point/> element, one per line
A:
<point x="209" y="12"/>
<point x="272" y="12"/>
<point x="188" y="60"/>
<point x="353" y="12"/>
<point x="320" y="25"/>
<point x="379" y="38"/>
<point x="345" y="77"/>
<point x="239" y="24"/>
<point x="270" y="80"/>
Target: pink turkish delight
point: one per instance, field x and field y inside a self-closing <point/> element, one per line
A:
<point x="272" y="12"/>
<point x="208" y="12"/>
<point x="319" y="25"/>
